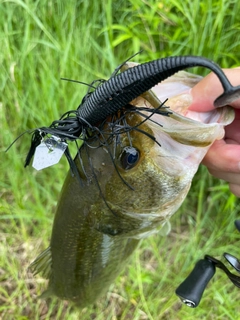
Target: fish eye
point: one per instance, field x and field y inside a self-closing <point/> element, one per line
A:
<point x="129" y="157"/>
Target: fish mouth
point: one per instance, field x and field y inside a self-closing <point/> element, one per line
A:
<point x="195" y="128"/>
<point x="184" y="126"/>
<point x="187" y="127"/>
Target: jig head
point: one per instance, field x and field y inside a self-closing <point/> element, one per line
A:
<point x="191" y="289"/>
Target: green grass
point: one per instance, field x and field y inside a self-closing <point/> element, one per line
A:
<point x="42" y="41"/>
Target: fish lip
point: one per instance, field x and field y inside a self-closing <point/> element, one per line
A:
<point x="199" y="130"/>
<point x="222" y="116"/>
<point x="177" y="92"/>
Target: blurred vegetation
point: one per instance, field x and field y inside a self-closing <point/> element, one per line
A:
<point x="42" y="41"/>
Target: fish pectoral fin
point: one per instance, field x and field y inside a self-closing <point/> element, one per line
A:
<point x="42" y="264"/>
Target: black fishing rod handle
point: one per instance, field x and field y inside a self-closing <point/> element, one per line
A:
<point x="191" y="289"/>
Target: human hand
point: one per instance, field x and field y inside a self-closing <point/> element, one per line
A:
<point x="223" y="158"/>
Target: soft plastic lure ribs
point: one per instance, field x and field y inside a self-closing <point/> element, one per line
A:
<point x="114" y="94"/>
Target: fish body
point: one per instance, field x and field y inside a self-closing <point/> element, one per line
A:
<point x="101" y="220"/>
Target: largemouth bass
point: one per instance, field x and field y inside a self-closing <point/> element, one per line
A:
<point x="130" y="187"/>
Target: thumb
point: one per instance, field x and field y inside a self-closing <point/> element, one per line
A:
<point x="209" y="88"/>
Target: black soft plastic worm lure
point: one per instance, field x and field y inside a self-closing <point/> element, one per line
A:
<point x="114" y="94"/>
<point x="118" y="91"/>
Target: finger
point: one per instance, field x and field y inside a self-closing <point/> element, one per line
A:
<point x="223" y="157"/>
<point x="233" y="178"/>
<point x="232" y="131"/>
<point x="209" y="88"/>
<point x="235" y="189"/>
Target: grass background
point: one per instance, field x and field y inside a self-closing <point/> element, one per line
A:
<point x="42" y="41"/>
